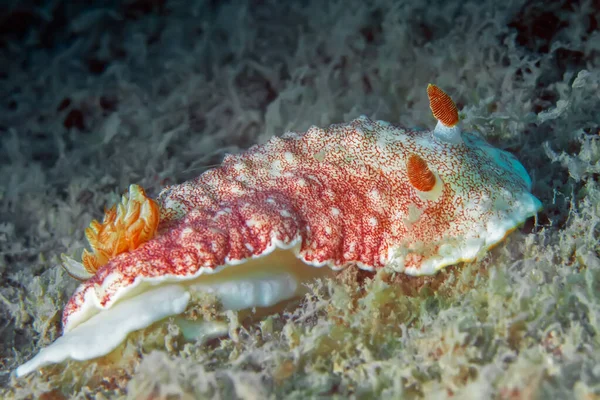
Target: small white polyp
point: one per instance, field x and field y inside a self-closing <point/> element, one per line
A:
<point x="103" y="332"/>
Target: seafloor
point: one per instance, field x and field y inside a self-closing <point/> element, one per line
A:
<point x="154" y="92"/>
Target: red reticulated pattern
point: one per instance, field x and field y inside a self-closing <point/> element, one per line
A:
<point x="343" y="192"/>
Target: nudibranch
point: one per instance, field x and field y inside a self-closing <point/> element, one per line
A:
<point x="364" y="194"/>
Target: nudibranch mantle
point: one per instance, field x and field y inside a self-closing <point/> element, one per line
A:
<point x="364" y="193"/>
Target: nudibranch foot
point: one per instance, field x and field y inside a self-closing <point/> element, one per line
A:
<point x="103" y="332"/>
<point x="260" y="283"/>
<point x="252" y="232"/>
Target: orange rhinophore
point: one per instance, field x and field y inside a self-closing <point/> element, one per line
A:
<point x="419" y="174"/>
<point x="442" y="106"/>
<point x="124" y="228"/>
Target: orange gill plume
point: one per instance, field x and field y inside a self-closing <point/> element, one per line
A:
<point x="442" y="106"/>
<point x="419" y="174"/>
<point x="125" y="227"/>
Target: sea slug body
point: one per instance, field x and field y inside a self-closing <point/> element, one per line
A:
<point x="364" y="194"/>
